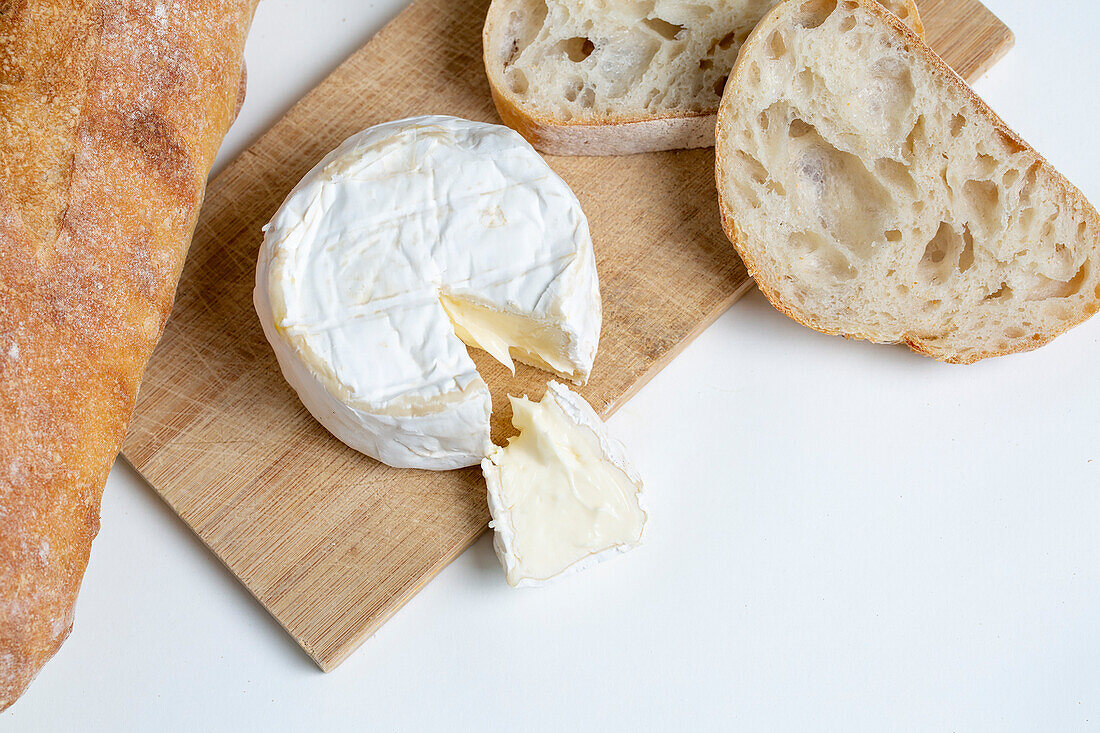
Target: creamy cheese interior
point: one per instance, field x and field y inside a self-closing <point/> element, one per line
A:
<point x="504" y="335"/>
<point x="565" y="499"/>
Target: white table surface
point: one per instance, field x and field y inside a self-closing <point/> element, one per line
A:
<point x="844" y="536"/>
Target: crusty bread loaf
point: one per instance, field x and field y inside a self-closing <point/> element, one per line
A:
<point x="595" y="77"/>
<point x="112" y="114"/>
<point x="872" y="194"/>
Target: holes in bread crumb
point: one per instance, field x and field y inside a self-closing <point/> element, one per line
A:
<point x="966" y="257"/>
<point x="983" y="198"/>
<point x="947" y="182"/>
<point x="837" y="189"/>
<point x="1055" y="216"/>
<point x="578" y="48"/>
<point x="516" y="80"/>
<point x="893" y="236"/>
<point x="816" y="257"/>
<point x="1002" y="293"/>
<point x="573" y="89"/>
<point x="936" y="250"/>
<point x="958" y="122"/>
<point x="510" y="54"/>
<point x="705" y="64"/>
<point x="754" y="74"/>
<point x="987" y="165"/>
<point x="897" y="175"/>
<point x="720" y="85"/>
<point x="587" y="98"/>
<point x="916" y="135"/>
<point x="763" y="121"/>
<point x="666" y="30"/>
<point x="1015" y="332"/>
<point x="727" y="40"/>
<point x="753" y="167"/>
<point x="1044" y="288"/>
<point x="1010" y="177"/>
<point x="758" y="174"/>
<point x="1009" y="143"/>
<point x="805" y="83"/>
<point x="522" y="28"/>
<point x="1061" y="252"/>
<point x="948" y="251"/>
<point x="799" y="128"/>
<point x="815" y="12"/>
<point x="1031" y="180"/>
<point x="776" y="45"/>
<point x="847" y="24"/>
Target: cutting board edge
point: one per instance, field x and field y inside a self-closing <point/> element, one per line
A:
<point x="1006" y="44"/>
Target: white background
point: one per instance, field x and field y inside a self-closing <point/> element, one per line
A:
<point x="844" y="536"/>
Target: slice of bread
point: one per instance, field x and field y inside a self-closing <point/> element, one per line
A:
<point x="872" y="194"/>
<point x="610" y="77"/>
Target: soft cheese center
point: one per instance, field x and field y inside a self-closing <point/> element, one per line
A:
<point x="565" y="499"/>
<point x="505" y="334"/>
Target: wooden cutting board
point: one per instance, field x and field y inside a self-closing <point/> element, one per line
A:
<point x="331" y="542"/>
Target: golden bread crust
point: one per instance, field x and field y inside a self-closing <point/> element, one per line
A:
<point x="112" y="114"/>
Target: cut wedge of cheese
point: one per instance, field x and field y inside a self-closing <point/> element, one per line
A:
<point x="562" y="494"/>
<point x="408" y="242"/>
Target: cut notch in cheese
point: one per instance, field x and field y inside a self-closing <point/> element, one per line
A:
<point x="407" y="240"/>
<point x="562" y="494"/>
<point x="508" y="335"/>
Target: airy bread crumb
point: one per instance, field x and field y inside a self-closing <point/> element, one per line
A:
<point x="872" y="194"/>
<point x="591" y="77"/>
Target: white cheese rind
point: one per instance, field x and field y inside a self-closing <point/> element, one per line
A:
<point x="353" y="266"/>
<point x="580" y="416"/>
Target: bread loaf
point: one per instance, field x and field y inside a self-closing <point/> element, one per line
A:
<point x="594" y="77"/>
<point x="112" y="113"/>
<point x="872" y="194"/>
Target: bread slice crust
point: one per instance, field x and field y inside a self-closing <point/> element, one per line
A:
<point x="771" y="281"/>
<point x="622" y="133"/>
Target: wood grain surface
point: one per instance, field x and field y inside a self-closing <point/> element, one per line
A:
<point x="331" y="542"/>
